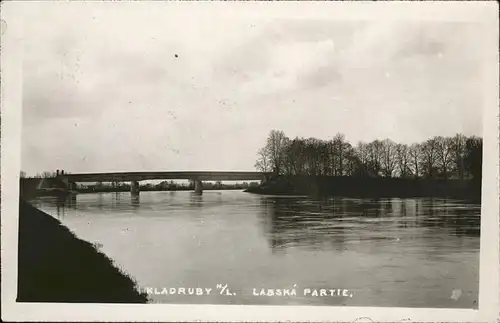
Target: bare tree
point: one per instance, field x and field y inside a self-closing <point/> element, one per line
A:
<point x="263" y="162"/>
<point x="403" y="160"/>
<point x="444" y="151"/>
<point x="415" y="154"/>
<point x="474" y="157"/>
<point x="459" y="150"/>
<point x="362" y="154"/>
<point x="375" y="155"/>
<point x="330" y="146"/>
<point x="388" y="157"/>
<point x="289" y="159"/>
<point x="311" y="155"/>
<point x="294" y="157"/>
<point x="337" y="142"/>
<point x="429" y="156"/>
<point x="276" y="144"/>
<point x="323" y="157"/>
<point x="352" y="162"/>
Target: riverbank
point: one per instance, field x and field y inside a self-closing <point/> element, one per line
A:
<point x="55" y="266"/>
<point x="369" y="187"/>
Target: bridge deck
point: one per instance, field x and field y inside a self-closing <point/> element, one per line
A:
<point x="142" y="176"/>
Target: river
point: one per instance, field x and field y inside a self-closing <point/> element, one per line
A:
<point x="385" y="252"/>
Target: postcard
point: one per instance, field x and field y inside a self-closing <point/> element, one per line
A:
<point x="250" y="161"/>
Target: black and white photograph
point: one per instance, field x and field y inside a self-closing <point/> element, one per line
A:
<point x="264" y="155"/>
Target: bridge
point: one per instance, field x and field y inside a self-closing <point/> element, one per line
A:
<point x="135" y="177"/>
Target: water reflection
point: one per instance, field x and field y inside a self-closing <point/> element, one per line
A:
<point x="289" y="222"/>
<point x="195" y="199"/>
<point x="292" y="223"/>
<point x="100" y="201"/>
<point x="135" y="201"/>
<point x="60" y="204"/>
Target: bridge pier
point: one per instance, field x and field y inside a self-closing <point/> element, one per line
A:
<point x="198" y="186"/>
<point x="68" y="185"/>
<point x="134" y="188"/>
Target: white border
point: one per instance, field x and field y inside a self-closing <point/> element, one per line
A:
<point x="11" y="60"/>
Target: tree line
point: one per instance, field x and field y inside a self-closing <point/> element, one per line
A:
<point x="457" y="157"/>
<point x="45" y="174"/>
<point x="165" y="186"/>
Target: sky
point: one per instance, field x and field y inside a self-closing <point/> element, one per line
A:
<point x="118" y="90"/>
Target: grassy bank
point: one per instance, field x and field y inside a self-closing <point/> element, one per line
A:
<point x="55" y="266"/>
<point x="369" y="187"/>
